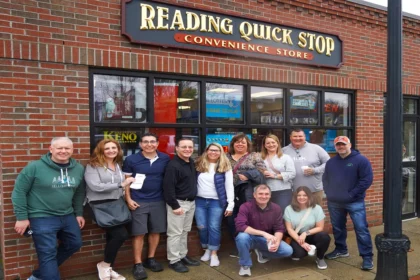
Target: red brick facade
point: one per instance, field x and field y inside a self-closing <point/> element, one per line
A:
<point x="47" y="47"/>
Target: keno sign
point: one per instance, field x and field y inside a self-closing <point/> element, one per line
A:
<point x="167" y="25"/>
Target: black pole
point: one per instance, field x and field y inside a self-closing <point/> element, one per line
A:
<point x="392" y="245"/>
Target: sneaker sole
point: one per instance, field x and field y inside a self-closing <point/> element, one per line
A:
<point x="337" y="256"/>
<point x="366" y="268"/>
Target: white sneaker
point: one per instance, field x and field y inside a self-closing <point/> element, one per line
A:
<point x="104" y="272"/>
<point x="321" y="263"/>
<point x="116" y="276"/>
<point x="206" y="256"/>
<point x="214" y="260"/>
<point x="245" y="271"/>
<point x="260" y="257"/>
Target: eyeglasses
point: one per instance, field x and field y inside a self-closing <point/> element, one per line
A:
<point x="149" y="142"/>
<point x="186" y="147"/>
<point x="213" y="151"/>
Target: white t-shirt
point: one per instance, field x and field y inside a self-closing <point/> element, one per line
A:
<point x="207" y="189"/>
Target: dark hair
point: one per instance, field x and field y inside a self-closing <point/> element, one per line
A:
<point x="295" y="203"/>
<point x="237" y="138"/>
<point x="296" y="130"/>
<point x="183" y="139"/>
<point x="148" y="134"/>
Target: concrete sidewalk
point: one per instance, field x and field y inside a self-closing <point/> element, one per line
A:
<point x="287" y="269"/>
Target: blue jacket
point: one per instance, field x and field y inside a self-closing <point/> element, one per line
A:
<point x="346" y="179"/>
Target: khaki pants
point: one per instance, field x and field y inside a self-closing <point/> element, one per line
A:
<point x="177" y="232"/>
<point x="318" y="196"/>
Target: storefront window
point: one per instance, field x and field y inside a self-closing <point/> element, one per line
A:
<point x="303" y="107"/>
<point x="119" y="98"/>
<point x="224" y="103"/>
<point x="325" y="137"/>
<point x="176" y="101"/>
<point x="266" y="105"/>
<point x="409" y="106"/>
<point x="223" y="136"/>
<point x="336" y="109"/>
<point x="129" y="138"/>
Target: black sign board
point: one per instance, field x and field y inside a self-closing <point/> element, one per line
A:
<point x="167" y="25"/>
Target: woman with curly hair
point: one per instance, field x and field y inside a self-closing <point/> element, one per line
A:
<point x="105" y="182"/>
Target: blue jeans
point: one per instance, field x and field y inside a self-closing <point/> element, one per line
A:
<point x="208" y="217"/>
<point x="46" y="230"/>
<point x="246" y="242"/>
<point x="357" y="212"/>
<point x="282" y="198"/>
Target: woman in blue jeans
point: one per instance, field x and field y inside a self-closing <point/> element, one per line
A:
<point x="214" y="199"/>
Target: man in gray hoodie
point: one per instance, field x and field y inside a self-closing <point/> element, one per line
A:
<point x="309" y="162"/>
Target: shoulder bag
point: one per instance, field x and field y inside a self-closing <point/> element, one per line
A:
<point x="111" y="213"/>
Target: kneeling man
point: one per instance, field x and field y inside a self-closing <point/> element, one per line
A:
<point x="260" y="227"/>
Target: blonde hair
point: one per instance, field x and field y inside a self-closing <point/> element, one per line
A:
<point x="264" y="152"/>
<point x="223" y="164"/>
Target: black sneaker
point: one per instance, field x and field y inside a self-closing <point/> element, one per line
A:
<point x="153" y="265"/>
<point x="179" y="267"/>
<point x="138" y="272"/>
<point x="234" y="253"/>
<point x="190" y="262"/>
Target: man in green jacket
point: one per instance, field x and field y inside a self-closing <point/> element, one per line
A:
<point x="48" y="197"/>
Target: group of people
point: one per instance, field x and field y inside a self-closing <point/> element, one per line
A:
<point x="271" y="201"/>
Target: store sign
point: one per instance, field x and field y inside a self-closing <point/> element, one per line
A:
<point x="167" y="25"/>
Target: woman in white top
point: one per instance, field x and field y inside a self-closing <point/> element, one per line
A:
<point x="214" y="199"/>
<point x="280" y="171"/>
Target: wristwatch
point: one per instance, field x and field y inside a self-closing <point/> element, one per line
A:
<point x="307" y="233"/>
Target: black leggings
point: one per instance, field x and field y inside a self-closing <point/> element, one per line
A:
<point x="321" y="240"/>
<point x="115" y="237"/>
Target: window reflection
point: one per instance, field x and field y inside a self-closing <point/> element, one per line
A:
<point x="303" y="107"/>
<point x="176" y="101"/>
<point x="266" y="105"/>
<point x="337" y="109"/>
<point x="119" y="98"/>
<point x="129" y="138"/>
<point x="224" y="103"/>
<point x="325" y="137"/>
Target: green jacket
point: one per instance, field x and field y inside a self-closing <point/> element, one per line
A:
<point x="45" y="189"/>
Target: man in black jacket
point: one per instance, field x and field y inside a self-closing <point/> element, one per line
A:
<point x="180" y="190"/>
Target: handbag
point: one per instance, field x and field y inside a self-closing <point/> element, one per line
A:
<point x="111" y="213"/>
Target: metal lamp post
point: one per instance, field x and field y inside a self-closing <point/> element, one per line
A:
<point x="392" y="245"/>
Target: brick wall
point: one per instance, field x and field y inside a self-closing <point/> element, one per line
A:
<point x="47" y="47"/>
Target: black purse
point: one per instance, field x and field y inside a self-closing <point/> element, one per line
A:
<point x="111" y="213"/>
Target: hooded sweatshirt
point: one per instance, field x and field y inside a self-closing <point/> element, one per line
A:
<point x="45" y="189"/>
<point x="347" y="179"/>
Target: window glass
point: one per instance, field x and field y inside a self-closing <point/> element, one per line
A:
<point x="409" y="106"/>
<point x="224" y="103"/>
<point x="223" y="136"/>
<point x="303" y="107"/>
<point x="266" y="105"/>
<point x="337" y="109"/>
<point x="409" y="141"/>
<point x="325" y="137"/>
<point x="119" y="98"/>
<point x="129" y="138"/>
<point x="176" y="101"/>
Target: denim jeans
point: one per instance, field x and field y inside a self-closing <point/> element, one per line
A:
<point x="246" y="242"/>
<point x="208" y="217"/>
<point x="357" y="212"/>
<point x="282" y="198"/>
<point x="46" y="230"/>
